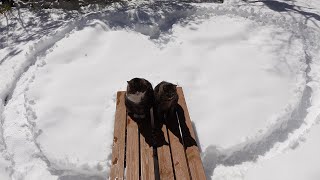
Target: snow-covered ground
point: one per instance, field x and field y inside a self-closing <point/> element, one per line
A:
<point x="250" y="72"/>
<point x="299" y="163"/>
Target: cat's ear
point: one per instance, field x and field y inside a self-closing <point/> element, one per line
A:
<point x="128" y="82"/>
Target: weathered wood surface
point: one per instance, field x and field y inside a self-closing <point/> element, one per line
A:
<point x="192" y="153"/>
<point x="118" y="148"/>
<point x="177" y="149"/>
<point x="146" y="151"/>
<point x="147" y="164"/>
<point x="132" y="150"/>
<point x="164" y="159"/>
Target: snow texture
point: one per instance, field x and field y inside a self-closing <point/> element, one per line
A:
<point x="250" y="72"/>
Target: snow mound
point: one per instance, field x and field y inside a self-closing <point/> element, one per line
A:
<point x="69" y="95"/>
<point x="251" y="85"/>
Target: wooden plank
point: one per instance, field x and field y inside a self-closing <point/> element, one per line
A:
<point x="177" y="149"/>
<point x="146" y="156"/>
<point x="118" y="148"/>
<point x="192" y="153"/>
<point x="132" y="154"/>
<point x="164" y="158"/>
<point x="146" y="149"/>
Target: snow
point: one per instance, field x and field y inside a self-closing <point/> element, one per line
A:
<point x="250" y="74"/>
<point x="294" y="164"/>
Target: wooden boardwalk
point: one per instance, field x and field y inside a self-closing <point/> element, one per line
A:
<point x="134" y="157"/>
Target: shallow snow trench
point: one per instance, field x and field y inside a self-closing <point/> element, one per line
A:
<point x="237" y="77"/>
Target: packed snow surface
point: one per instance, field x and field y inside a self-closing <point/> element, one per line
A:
<point x="250" y="75"/>
<point x="292" y="162"/>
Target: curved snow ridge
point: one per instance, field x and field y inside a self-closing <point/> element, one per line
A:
<point x="295" y="121"/>
<point x="14" y="70"/>
<point x="5" y="157"/>
<point x="300" y="90"/>
<point x="261" y="15"/>
<point x="17" y="134"/>
<point x="55" y="164"/>
<point x="11" y="72"/>
<point x="25" y="131"/>
<point x="290" y="120"/>
<point x="20" y="129"/>
<point x="152" y="19"/>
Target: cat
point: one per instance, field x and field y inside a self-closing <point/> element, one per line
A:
<point x="139" y="97"/>
<point x="166" y="101"/>
<point x="166" y="105"/>
<point x="166" y="97"/>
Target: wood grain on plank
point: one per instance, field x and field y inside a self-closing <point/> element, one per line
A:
<point x="177" y="149"/>
<point x="164" y="159"/>
<point x="132" y="154"/>
<point x="118" y="148"/>
<point x="147" y="163"/>
<point x="192" y="153"/>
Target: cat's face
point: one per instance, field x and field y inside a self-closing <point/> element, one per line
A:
<point x="136" y="85"/>
<point x="169" y="91"/>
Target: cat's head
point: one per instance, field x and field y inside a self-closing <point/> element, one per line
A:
<point x="137" y="85"/>
<point x="169" y="90"/>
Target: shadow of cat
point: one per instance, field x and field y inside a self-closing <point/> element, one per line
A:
<point x="175" y="122"/>
<point x="144" y="126"/>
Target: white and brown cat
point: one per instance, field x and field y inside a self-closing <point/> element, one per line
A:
<point x="139" y="97"/>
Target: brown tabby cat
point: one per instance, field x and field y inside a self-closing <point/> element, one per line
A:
<point x="166" y="100"/>
<point x="166" y="97"/>
<point x="166" y="105"/>
<point x="139" y="97"/>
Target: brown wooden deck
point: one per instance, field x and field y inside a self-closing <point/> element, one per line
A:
<point x="134" y="158"/>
